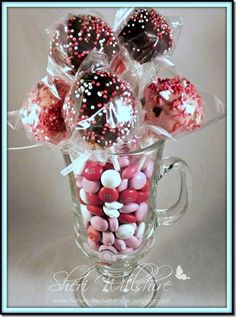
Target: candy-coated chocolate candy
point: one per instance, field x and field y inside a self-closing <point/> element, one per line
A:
<point x="125" y="231"/>
<point x="132" y="242"/>
<point x="83" y="196"/>
<point x="128" y="196"/>
<point x="140" y="230"/>
<point x="108" y="194"/>
<point x="127" y="218"/>
<point x="126" y="251"/>
<point x="123" y="161"/>
<point x="86" y="224"/>
<point x="123" y="185"/>
<point x="138" y="180"/>
<point x="90" y="186"/>
<point x="95" y="210"/>
<point x="129" y="171"/>
<point x="148" y="168"/>
<point x="141" y="212"/>
<point x="92" y="171"/>
<point x="119" y="244"/>
<point x="108" y="166"/>
<point x="114" y="205"/>
<point x="108" y="238"/>
<point x="129" y="208"/>
<point x="142" y="197"/>
<point x="93" y="234"/>
<point x="85" y="213"/>
<point x="113" y="224"/>
<point x="108" y="247"/>
<point x="145" y="187"/>
<point x="93" y="244"/>
<point x="110" y="179"/>
<point x="93" y="199"/>
<point x="108" y="257"/>
<point x="134" y="225"/>
<point x="99" y="223"/>
<point x="78" y="181"/>
<point x="112" y="213"/>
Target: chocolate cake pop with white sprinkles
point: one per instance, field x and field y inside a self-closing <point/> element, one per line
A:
<point x="146" y="35"/>
<point x="74" y="39"/>
<point x="102" y="107"/>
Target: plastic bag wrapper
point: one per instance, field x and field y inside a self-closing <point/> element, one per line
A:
<point x="41" y="113"/>
<point x="73" y="37"/>
<point x="172" y="102"/>
<point x="146" y="34"/>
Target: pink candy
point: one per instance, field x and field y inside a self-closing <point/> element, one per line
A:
<point x="90" y="186"/>
<point x="99" y="223"/>
<point x="148" y="168"/>
<point x="141" y="212"/>
<point x="138" y="180"/>
<point x="123" y="161"/>
<point x="108" y="238"/>
<point x="123" y="185"/>
<point x="129" y="208"/>
<point x="120" y="244"/>
<point x="129" y="171"/>
<point x="113" y="224"/>
<point x="132" y="242"/>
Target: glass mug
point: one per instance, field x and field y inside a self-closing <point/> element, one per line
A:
<point x="115" y="225"/>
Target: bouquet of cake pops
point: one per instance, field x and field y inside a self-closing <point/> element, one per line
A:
<point x="110" y="90"/>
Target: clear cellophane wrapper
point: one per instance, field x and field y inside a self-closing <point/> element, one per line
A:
<point x="74" y="36"/>
<point x="173" y="102"/>
<point x="146" y="33"/>
<point x="41" y="112"/>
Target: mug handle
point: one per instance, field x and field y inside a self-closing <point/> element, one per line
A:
<point x="175" y="212"/>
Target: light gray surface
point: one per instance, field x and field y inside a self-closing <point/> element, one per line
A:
<point x="40" y="222"/>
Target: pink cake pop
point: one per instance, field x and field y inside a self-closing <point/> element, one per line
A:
<point x="41" y="111"/>
<point x="173" y="104"/>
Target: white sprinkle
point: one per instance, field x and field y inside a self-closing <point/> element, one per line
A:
<point x="99" y="93"/>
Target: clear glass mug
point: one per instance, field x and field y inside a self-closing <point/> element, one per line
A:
<point x="117" y="262"/>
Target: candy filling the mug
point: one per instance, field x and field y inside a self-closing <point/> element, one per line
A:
<point x="114" y="205"/>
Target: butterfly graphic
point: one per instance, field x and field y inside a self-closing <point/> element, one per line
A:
<point x="180" y="274"/>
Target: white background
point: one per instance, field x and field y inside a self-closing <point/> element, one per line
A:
<point x="40" y="222"/>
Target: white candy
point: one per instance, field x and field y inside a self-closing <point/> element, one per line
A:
<point x="111" y="179"/>
<point x="125" y="231"/>
<point x="83" y="195"/>
<point x="112" y="213"/>
<point x="114" y="205"/>
<point x="85" y="213"/>
<point x="140" y="230"/>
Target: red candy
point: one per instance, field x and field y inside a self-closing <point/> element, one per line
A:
<point x="127" y="218"/>
<point x="128" y="196"/>
<point x="93" y="199"/>
<point x="92" y="171"/>
<point x="95" y="210"/>
<point x="142" y="197"/>
<point x="145" y="187"/>
<point x="108" y="166"/>
<point x="93" y="234"/>
<point x="108" y="195"/>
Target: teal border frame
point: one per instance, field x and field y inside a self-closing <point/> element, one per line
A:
<point x="229" y="307"/>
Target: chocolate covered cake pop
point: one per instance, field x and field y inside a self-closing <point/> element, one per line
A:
<point x="146" y="34"/>
<point x="41" y="112"/>
<point x="102" y="107"/>
<point x="173" y="104"/>
<point x="74" y="39"/>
